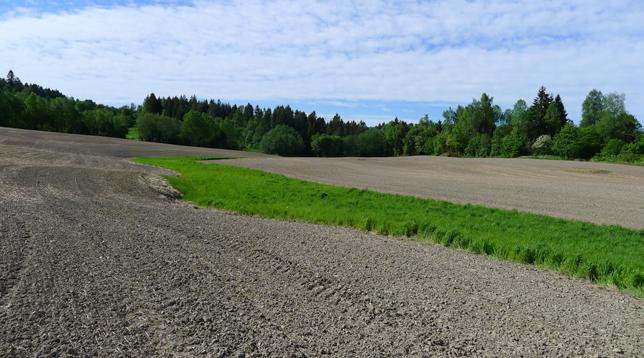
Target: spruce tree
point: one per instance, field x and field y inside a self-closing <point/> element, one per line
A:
<point x="563" y="119"/>
<point x="552" y="120"/>
<point x="538" y="109"/>
<point x="152" y="104"/>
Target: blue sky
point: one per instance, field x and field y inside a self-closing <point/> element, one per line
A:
<point x="369" y="60"/>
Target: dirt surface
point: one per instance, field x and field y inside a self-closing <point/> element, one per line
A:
<point x="596" y="192"/>
<point x="97" y="259"/>
<point x="105" y="146"/>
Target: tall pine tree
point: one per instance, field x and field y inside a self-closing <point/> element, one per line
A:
<point x="538" y="111"/>
<point x="563" y="119"/>
<point x="152" y="104"/>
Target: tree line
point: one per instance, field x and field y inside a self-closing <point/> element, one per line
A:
<point x="480" y="129"/>
<point x="31" y="106"/>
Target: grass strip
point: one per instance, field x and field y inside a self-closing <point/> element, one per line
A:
<point x="601" y="253"/>
<point x="132" y="133"/>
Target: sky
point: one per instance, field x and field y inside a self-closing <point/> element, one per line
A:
<point x="366" y="60"/>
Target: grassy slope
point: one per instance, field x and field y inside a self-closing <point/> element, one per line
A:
<point x="606" y="254"/>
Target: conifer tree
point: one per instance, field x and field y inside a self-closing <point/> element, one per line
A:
<point x="538" y="110"/>
<point x="563" y="119"/>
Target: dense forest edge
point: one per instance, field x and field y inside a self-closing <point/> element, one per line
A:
<point x="606" y="132"/>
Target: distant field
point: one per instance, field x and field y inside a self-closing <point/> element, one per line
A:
<point x="605" y="254"/>
<point x="597" y="192"/>
<point x="115" y="147"/>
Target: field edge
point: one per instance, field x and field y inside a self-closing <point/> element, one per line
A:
<point x="604" y="272"/>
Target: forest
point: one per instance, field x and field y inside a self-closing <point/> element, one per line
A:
<point x="31" y="106"/>
<point x="541" y="128"/>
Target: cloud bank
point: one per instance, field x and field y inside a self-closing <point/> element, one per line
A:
<point x="444" y="52"/>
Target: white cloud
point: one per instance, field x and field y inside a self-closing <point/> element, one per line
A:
<point x="440" y="51"/>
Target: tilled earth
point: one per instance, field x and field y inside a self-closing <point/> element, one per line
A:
<point x="598" y="192"/>
<point x="98" y="259"/>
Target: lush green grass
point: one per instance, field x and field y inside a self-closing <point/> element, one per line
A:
<point x="133" y="133"/>
<point x="605" y="254"/>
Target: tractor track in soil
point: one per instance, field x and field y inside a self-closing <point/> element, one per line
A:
<point x="96" y="261"/>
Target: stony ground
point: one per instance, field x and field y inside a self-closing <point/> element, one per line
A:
<point x="597" y="192"/>
<point x="97" y="259"/>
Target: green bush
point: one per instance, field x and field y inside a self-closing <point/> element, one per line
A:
<point x="282" y="140"/>
<point x="104" y="122"/>
<point x="565" y="144"/>
<point x="512" y="144"/>
<point x="11" y="109"/>
<point x="638" y="146"/>
<point x="631" y="152"/>
<point x="622" y="126"/>
<point x="479" y="146"/>
<point x="350" y="146"/>
<point x="497" y="139"/>
<point x="325" y="145"/>
<point x="617" y="150"/>
<point x="590" y="142"/>
<point x="158" y="128"/>
<point x="200" y="129"/>
<point x="230" y="134"/>
<point x="612" y="148"/>
<point x="371" y="143"/>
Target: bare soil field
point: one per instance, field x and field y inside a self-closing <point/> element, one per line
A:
<point x="105" y="146"/>
<point x="97" y="258"/>
<point x="596" y="192"/>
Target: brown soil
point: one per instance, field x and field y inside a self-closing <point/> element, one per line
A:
<point x="105" y="146"/>
<point x="597" y="192"/>
<point x="97" y="258"/>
